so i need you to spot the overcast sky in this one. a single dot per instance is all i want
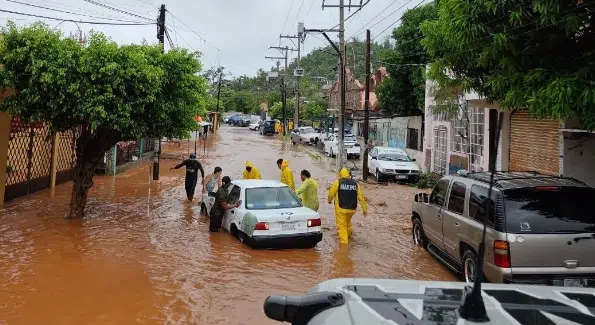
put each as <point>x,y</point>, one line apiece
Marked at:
<point>236,33</point>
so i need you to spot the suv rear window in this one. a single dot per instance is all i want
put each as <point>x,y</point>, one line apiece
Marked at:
<point>269,123</point>
<point>550,210</point>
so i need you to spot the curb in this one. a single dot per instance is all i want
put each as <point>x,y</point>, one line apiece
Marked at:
<point>311,153</point>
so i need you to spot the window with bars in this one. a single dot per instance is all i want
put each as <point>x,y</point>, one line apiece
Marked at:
<point>476,134</point>
<point>460,133</point>
<point>413,139</point>
<point>440,147</point>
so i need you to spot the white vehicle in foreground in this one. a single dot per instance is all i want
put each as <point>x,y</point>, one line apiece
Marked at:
<point>254,126</point>
<point>331,145</point>
<point>360,301</point>
<point>271,215</point>
<point>392,163</point>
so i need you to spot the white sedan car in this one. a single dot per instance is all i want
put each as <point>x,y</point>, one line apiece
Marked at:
<point>331,145</point>
<point>254,126</point>
<point>271,215</point>
<point>392,163</point>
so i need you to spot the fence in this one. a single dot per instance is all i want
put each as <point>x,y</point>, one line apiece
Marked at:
<point>124,152</point>
<point>36,159</point>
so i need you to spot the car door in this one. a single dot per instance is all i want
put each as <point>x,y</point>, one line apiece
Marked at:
<point>432,216</point>
<point>372,161</point>
<point>452,216</point>
<point>232,214</point>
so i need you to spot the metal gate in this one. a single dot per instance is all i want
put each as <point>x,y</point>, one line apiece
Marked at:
<point>29,159</point>
<point>440,148</point>
<point>66,156</point>
<point>397,137</point>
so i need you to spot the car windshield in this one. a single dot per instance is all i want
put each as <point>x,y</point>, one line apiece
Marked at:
<point>550,210</point>
<point>393,156</point>
<point>269,123</point>
<point>307,130</point>
<point>271,198</point>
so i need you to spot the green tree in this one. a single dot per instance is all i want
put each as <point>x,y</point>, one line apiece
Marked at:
<point>106,92</point>
<point>534,55</point>
<point>403,92</point>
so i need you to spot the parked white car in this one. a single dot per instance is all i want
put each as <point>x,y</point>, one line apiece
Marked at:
<point>392,163</point>
<point>331,145</point>
<point>271,215</point>
<point>303,135</point>
<point>254,126</point>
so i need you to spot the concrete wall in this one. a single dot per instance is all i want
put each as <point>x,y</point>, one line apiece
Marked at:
<point>579,156</point>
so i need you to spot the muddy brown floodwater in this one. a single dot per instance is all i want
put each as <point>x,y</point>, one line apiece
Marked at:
<point>143,255</point>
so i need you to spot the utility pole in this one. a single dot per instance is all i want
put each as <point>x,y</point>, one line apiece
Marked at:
<point>296,114</point>
<point>283,82</point>
<point>161,38</point>
<point>367,106</point>
<point>219,88</point>
<point>341,156</point>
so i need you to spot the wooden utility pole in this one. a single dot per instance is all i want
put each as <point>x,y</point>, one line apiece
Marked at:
<point>161,38</point>
<point>367,107</point>
<point>296,114</point>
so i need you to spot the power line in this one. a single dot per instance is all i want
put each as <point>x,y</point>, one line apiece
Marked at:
<point>309,8</point>
<point>353,14</point>
<point>193,31</point>
<point>371,20</point>
<point>76,21</point>
<point>298,14</point>
<point>287,17</point>
<point>389,15</point>
<point>391,25</point>
<point>66,12</point>
<point>117,10</point>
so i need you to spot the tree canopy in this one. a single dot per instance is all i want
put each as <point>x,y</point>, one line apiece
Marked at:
<point>533,55</point>
<point>403,92</point>
<point>105,91</point>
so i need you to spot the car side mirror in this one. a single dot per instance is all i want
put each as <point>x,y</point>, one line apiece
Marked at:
<point>373,157</point>
<point>413,159</point>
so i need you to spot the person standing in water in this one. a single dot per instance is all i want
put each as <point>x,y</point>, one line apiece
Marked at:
<point>221,205</point>
<point>192,167</point>
<point>308,191</point>
<point>251,172</point>
<point>213,180</point>
<point>286,173</point>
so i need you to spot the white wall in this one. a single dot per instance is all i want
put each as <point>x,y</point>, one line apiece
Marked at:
<point>579,156</point>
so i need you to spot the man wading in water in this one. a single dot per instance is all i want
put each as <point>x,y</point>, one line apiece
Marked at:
<point>221,205</point>
<point>192,168</point>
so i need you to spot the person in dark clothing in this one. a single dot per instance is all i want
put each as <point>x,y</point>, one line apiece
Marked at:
<point>192,167</point>
<point>221,205</point>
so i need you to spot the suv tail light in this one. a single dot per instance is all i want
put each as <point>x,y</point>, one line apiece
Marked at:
<point>314,223</point>
<point>261,226</point>
<point>501,253</point>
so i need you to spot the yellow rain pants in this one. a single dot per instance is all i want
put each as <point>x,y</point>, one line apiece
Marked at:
<point>343,216</point>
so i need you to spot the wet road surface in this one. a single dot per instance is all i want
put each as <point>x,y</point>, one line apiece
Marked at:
<point>143,255</point>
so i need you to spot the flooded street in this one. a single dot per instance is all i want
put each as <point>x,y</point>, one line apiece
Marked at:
<point>143,254</point>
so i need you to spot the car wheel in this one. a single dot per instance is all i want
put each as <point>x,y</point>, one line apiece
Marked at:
<point>378,176</point>
<point>241,236</point>
<point>469,266</point>
<point>419,237</point>
<point>203,210</point>
<point>293,142</point>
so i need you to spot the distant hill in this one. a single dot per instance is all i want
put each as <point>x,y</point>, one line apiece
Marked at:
<point>323,62</point>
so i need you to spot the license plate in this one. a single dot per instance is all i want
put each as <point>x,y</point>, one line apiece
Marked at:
<point>400,176</point>
<point>286,226</point>
<point>575,283</point>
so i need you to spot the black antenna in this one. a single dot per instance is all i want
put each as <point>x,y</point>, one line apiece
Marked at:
<point>472,306</point>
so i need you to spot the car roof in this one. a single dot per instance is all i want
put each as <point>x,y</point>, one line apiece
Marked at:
<point>257,183</point>
<point>511,180</point>
<point>390,149</point>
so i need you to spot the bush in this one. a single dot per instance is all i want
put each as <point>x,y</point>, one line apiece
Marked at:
<point>427,180</point>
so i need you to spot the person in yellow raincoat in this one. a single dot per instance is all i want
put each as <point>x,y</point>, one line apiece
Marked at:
<point>286,174</point>
<point>308,191</point>
<point>290,125</point>
<point>277,127</point>
<point>346,193</point>
<point>251,172</point>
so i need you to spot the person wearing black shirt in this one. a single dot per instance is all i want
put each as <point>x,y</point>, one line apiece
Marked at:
<point>221,205</point>
<point>192,167</point>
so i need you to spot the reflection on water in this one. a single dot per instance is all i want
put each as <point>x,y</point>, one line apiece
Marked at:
<point>144,255</point>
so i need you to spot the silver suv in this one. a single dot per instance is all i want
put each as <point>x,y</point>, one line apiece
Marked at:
<point>541,229</point>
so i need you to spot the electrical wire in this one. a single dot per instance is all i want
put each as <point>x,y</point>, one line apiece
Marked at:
<point>298,14</point>
<point>309,8</point>
<point>287,17</point>
<point>353,14</point>
<point>76,21</point>
<point>57,4</point>
<point>192,30</point>
<point>117,10</point>
<point>380,13</point>
<point>67,12</point>
<point>400,18</point>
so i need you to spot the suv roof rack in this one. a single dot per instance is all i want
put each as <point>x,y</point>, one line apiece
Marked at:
<point>514,179</point>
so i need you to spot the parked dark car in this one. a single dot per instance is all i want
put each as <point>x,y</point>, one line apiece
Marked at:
<point>267,127</point>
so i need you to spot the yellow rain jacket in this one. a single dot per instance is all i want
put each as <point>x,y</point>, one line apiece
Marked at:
<point>308,193</point>
<point>346,193</point>
<point>287,175</point>
<point>253,173</point>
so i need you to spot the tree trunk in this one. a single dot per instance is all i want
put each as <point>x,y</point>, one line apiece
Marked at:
<point>90,149</point>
